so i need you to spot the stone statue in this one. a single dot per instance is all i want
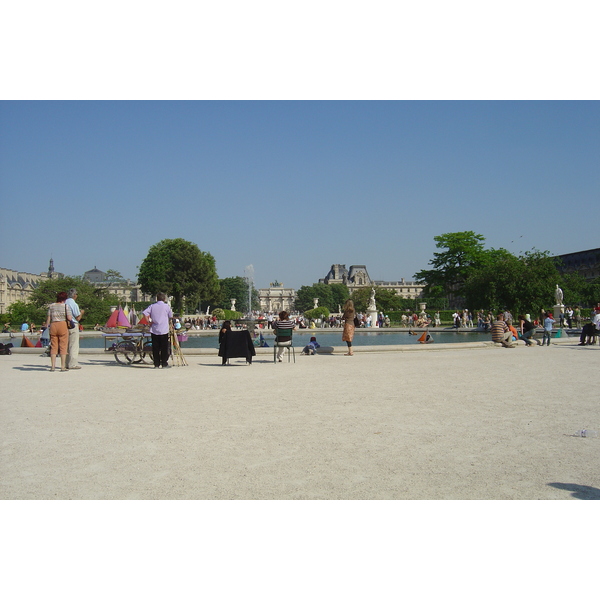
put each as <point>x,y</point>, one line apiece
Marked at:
<point>339,308</point>
<point>372,305</point>
<point>208,310</point>
<point>558,295</point>
<point>316,301</point>
<point>233,304</point>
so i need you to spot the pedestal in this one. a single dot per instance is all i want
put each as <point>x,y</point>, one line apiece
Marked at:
<point>373,315</point>
<point>558,309</point>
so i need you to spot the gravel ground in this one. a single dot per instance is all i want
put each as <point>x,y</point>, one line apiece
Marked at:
<point>443,423</point>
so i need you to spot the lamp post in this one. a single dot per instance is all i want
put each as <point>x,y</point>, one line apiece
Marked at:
<point>249,270</point>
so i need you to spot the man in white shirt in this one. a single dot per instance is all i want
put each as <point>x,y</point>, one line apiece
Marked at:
<point>591,330</point>
<point>73,348</point>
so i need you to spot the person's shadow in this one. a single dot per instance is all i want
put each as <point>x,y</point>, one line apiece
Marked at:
<point>581,492</point>
<point>35,368</point>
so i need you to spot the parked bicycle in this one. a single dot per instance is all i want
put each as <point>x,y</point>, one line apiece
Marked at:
<point>133,349</point>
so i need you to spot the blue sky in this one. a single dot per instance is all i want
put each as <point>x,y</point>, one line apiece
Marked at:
<point>292,187</point>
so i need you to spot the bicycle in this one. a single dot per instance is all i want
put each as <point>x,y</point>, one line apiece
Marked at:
<point>135,350</point>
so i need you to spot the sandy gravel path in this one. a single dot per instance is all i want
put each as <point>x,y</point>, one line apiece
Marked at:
<point>447,423</point>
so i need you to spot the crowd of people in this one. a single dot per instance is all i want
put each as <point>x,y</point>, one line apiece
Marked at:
<point>61,330</point>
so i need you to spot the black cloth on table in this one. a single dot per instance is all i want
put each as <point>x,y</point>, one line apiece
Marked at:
<point>237,344</point>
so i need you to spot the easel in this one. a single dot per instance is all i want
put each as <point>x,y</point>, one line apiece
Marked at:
<point>176,353</point>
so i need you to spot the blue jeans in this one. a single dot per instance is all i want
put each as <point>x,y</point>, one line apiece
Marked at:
<point>528,338</point>
<point>547,336</point>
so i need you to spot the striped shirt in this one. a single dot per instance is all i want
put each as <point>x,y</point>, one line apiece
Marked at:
<point>284,325</point>
<point>58,311</point>
<point>499,328</point>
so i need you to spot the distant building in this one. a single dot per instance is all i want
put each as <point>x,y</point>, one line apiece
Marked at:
<point>95,275</point>
<point>358,276</point>
<point>125,289</point>
<point>586,263</point>
<point>276,298</point>
<point>18,286</point>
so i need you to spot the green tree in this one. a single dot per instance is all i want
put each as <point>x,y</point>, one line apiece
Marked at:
<point>360,297</point>
<point>113,276</point>
<point>321,312</point>
<point>592,294</point>
<point>462,252</point>
<point>96,301</point>
<point>386,300</point>
<point>219,313</point>
<point>306,294</point>
<point>330,296</point>
<point>575,289</point>
<point>339,295</point>
<point>236,287</point>
<point>522,284</point>
<point>181,270</point>
<point>20,312</point>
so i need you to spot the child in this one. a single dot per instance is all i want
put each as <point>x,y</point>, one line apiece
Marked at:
<point>311,347</point>
<point>548,323</point>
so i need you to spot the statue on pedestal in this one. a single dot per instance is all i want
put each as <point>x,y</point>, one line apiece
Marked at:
<point>316,301</point>
<point>558,295</point>
<point>372,305</point>
<point>233,304</point>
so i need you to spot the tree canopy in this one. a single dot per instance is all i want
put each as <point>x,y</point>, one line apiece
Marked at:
<point>236,287</point>
<point>522,284</point>
<point>181,270</point>
<point>330,296</point>
<point>463,250</point>
<point>386,300</point>
<point>95,300</point>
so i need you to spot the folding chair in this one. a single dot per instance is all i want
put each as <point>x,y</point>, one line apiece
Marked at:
<point>289,345</point>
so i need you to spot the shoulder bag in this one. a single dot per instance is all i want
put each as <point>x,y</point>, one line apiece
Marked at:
<point>70,324</point>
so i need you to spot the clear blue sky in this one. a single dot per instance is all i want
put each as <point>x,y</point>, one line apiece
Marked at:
<point>293,187</point>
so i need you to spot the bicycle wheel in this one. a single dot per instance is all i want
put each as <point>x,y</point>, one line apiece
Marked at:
<point>147,357</point>
<point>125,352</point>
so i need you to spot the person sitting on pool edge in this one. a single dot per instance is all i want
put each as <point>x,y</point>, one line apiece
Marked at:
<point>501,334</point>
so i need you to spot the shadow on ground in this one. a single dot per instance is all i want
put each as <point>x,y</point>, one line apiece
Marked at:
<point>581,492</point>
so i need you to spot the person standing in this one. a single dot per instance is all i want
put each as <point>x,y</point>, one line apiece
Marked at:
<point>160,314</point>
<point>577,316</point>
<point>548,324</point>
<point>73,350</point>
<point>456,319</point>
<point>59,314</point>
<point>348,316</point>
<point>569,317</point>
<point>225,329</point>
